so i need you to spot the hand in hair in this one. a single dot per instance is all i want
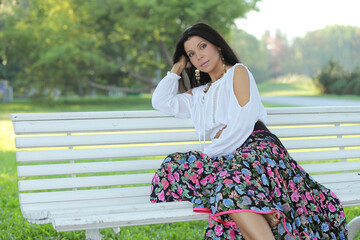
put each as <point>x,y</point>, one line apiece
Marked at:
<point>179,66</point>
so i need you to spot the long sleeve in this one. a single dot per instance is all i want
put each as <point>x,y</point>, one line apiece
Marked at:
<point>166,99</point>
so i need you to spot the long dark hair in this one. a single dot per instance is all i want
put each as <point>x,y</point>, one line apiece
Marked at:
<point>210,34</point>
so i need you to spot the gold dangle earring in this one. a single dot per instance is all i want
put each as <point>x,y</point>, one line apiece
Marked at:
<point>197,76</point>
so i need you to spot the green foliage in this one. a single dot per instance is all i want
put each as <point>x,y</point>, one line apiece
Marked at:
<point>334,79</point>
<point>312,52</point>
<point>252,52</point>
<point>58,46</point>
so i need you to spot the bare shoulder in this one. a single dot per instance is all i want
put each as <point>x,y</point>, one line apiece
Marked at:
<point>241,85</point>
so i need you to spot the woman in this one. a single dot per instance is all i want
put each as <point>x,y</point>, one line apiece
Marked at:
<point>245,179</point>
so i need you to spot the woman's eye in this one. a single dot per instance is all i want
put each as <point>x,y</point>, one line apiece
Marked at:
<point>202,46</point>
<point>191,54</point>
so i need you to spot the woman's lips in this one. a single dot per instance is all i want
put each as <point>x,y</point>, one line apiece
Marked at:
<point>204,64</point>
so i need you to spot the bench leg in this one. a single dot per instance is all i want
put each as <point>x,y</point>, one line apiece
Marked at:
<point>93,234</point>
<point>353,226</point>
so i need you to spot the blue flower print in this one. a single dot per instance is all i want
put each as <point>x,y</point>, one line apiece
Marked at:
<point>181,161</point>
<point>191,159</point>
<point>278,206</point>
<point>245,171</point>
<point>212,199</point>
<point>297,221</point>
<point>298,178</point>
<point>282,164</point>
<point>245,163</point>
<point>218,188</point>
<point>259,169</point>
<point>325,227</point>
<point>264,180</point>
<point>281,229</point>
<point>167,160</point>
<point>239,190</point>
<point>228,202</point>
<point>213,209</point>
<point>342,235</point>
<point>198,201</point>
<point>316,217</point>
<point>271,162</point>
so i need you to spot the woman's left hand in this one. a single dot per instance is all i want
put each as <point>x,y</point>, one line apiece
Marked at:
<point>219,132</point>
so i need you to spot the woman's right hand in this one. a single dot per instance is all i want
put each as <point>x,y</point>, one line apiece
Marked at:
<point>179,66</point>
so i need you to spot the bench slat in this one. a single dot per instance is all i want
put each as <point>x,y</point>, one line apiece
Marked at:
<point>92,167</point>
<point>82,195</point>
<point>82,182</point>
<point>125,152</point>
<point>321,143</point>
<point>74,126</point>
<point>103,125</point>
<point>151,137</point>
<point>138,165</point>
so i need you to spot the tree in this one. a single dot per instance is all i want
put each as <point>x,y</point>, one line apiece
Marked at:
<point>69,44</point>
<point>252,52</point>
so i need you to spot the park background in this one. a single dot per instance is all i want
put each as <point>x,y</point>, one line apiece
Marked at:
<point>108,55</point>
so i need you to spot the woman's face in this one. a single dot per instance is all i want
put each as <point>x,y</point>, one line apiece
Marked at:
<point>203,54</point>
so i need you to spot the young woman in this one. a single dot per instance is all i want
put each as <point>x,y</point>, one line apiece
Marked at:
<point>245,179</point>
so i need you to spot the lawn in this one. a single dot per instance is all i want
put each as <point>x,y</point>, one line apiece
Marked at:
<point>14,226</point>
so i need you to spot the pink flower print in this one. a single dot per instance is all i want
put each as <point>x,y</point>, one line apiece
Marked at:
<point>161,196</point>
<point>236,179</point>
<point>169,168</point>
<point>212,179</point>
<point>277,191</point>
<point>322,197</point>
<point>342,214</point>
<point>218,230</point>
<point>200,171</point>
<point>295,196</point>
<point>199,164</point>
<point>207,233</point>
<point>331,207</point>
<point>174,195</point>
<point>179,190</point>
<point>228,181</point>
<point>202,155</point>
<point>299,211</point>
<point>262,145</point>
<point>176,176</point>
<point>270,172</point>
<point>245,155</point>
<point>171,178</point>
<point>291,184</point>
<point>152,188</point>
<point>203,181</point>
<point>215,164</point>
<point>274,151</point>
<point>223,173</point>
<point>232,234</point>
<point>185,166</point>
<point>165,183</point>
<point>333,194</point>
<point>156,179</point>
<point>303,198</point>
<point>308,196</point>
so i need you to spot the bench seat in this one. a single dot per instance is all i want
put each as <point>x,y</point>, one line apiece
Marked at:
<point>92,170</point>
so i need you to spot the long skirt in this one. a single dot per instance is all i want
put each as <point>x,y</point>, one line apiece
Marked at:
<point>260,177</point>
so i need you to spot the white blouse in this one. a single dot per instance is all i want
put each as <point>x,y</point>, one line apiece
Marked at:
<point>213,110</point>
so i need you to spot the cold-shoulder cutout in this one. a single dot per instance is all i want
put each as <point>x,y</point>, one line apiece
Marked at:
<point>241,85</point>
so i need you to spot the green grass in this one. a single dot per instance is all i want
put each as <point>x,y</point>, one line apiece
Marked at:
<point>12,223</point>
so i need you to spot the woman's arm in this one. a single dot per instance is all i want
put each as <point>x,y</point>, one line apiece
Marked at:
<point>166,98</point>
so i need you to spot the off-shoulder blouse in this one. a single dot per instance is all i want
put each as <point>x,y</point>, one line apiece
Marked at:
<point>213,110</point>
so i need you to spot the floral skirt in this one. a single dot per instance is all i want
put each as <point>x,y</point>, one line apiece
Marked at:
<point>260,177</point>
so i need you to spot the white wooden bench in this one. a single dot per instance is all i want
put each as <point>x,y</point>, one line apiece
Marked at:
<point>92,170</point>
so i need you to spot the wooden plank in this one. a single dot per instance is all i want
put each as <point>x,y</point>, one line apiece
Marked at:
<point>159,137</point>
<point>147,151</point>
<point>83,195</point>
<point>150,164</point>
<point>100,125</point>
<point>102,153</point>
<point>91,167</point>
<point>321,143</point>
<point>325,155</point>
<point>83,182</point>
<point>104,139</point>
<point>153,113</point>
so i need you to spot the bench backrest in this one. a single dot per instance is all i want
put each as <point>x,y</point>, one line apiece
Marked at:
<point>111,156</point>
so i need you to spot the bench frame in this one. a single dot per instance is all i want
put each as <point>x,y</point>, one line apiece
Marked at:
<point>73,173</point>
